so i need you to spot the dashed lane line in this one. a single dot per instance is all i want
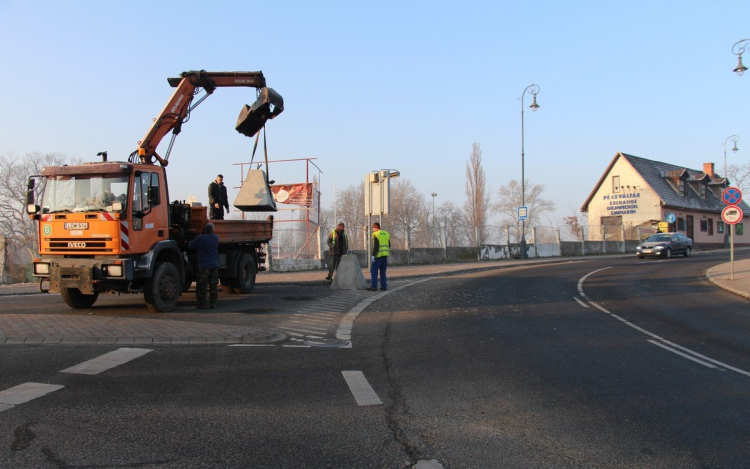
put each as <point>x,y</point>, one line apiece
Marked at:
<point>660,341</point>
<point>361,389</point>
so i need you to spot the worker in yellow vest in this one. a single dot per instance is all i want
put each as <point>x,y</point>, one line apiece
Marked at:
<point>338,245</point>
<point>381,249</point>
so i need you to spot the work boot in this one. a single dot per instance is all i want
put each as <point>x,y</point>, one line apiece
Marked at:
<point>201,306</point>
<point>213,305</point>
<point>371,289</point>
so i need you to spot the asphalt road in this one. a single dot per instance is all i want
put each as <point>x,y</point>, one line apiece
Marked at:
<point>607,363</point>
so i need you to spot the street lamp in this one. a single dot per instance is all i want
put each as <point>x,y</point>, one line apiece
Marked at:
<point>432,236</point>
<point>533,90</point>
<point>738,49</point>
<point>734,139</point>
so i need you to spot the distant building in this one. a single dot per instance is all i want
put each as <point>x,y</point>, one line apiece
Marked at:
<point>640,193</point>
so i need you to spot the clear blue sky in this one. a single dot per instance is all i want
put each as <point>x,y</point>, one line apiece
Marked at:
<point>370,85</point>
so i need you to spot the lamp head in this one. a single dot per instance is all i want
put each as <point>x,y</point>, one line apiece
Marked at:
<point>534,106</point>
<point>735,147</point>
<point>740,69</point>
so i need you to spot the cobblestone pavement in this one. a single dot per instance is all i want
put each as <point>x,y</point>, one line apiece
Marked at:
<point>188,327</point>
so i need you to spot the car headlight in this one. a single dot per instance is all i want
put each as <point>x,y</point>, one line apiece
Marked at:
<point>658,248</point>
<point>639,248</point>
<point>41,268</point>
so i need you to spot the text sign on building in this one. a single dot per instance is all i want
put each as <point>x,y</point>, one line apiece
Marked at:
<point>731,214</point>
<point>731,196</point>
<point>523,213</point>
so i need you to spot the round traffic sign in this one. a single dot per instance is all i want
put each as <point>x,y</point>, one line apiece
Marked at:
<point>671,217</point>
<point>731,196</point>
<point>731,214</point>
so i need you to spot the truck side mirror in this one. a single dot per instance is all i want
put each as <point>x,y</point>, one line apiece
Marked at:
<point>32,209</point>
<point>117,206</point>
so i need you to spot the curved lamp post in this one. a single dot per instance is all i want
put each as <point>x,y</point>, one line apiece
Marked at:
<point>734,139</point>
<point>533,90</point>
<point>738,49</point>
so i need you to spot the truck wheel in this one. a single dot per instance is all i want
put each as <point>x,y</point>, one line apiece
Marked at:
<point>244,282</point>
<point>75,299</point>
<point>163,289</point>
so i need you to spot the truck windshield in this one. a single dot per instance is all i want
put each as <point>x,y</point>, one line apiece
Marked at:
<point>84,193</point>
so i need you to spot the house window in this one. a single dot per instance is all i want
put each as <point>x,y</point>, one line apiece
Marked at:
<point>710,227</point>
<point>680,224</point>
<point>683,187</point>
<point>720,227</point>
<point>738,230</point>
<point>703,191</point>
<point>615,183</point>
<point>704,225</point>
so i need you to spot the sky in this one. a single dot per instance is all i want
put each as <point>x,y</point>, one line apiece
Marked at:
<point>407,85</point>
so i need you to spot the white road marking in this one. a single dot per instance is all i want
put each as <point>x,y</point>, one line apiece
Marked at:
<point>252,345</point>
<point>682,354</point>
<point>580,302</point>
<point>580,282</point>
<point>361,389</point>
<point>24,393</point>
<point>344,331</point>
<point>660,341</point>
<point>431,464</point>
<point>106,361</point>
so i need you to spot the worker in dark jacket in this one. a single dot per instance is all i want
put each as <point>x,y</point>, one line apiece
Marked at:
<point>217,198</point>
<point>338,245</point>
<point>207,245</point>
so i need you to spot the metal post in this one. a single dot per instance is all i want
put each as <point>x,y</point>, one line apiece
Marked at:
<point>533,89</point>
<point>432,235</point>
<point>731,255</point>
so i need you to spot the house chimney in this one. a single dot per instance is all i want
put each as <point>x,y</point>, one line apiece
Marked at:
<point>708,168</point>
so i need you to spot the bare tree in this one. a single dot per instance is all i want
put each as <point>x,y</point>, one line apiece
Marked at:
<point>510,199</point>
<point>14,222</point>
<point>454,219</point>
<point>477,195</point>
<point>408,208</point>
<point>350,209</point>
<point>575,223</point>
<point>739,176</point>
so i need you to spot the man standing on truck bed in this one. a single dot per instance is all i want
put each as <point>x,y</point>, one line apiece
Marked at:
<point>217,198</point>
<point>207,245</point>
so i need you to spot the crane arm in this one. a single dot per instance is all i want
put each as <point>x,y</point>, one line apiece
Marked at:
<point>252,118</point>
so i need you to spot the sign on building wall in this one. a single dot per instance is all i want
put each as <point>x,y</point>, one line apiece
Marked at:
<point>622,204</point>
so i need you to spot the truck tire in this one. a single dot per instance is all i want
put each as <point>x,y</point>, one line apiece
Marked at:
<point>162,290</point>
<point>244,282</point>
<point>77,300</point>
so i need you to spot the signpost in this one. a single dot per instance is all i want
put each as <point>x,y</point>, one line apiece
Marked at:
<point>731,215</point>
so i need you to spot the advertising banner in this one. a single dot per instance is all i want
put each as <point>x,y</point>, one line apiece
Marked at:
<point>293,194</point>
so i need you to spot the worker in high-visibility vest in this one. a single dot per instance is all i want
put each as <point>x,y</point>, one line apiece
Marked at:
<point>381,249</point>
<point>338,245</point>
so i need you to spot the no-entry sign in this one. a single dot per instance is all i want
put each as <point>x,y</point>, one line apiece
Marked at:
<point>731,214</point>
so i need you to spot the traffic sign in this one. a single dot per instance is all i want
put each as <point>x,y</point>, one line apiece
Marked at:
<point>731,196</point>
<point>670,217</point>
<point>731,214</point>
<point>523,213</point>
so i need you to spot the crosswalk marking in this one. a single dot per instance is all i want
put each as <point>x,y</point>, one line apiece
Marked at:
<point>24,393</point>
<point>106,361</point>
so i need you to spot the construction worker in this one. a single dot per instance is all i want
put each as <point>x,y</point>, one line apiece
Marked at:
<point>381,249</point>
<point>338,245</point>
<point>217,198</point>
<point>207,246</point>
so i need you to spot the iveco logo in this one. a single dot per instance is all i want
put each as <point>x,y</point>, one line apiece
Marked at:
<point>77,244</point>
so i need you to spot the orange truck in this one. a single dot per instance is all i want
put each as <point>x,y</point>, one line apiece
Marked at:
<point>108,226</point>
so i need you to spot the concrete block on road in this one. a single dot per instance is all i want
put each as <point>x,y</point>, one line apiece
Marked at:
<point>349,275</point>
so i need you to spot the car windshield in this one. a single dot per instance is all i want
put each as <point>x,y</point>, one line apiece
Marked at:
<point>659,238</point>
<point>84,193</point>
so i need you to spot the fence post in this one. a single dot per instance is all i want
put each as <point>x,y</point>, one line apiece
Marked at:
<point>536,246</point>
<point>583,240</point>
<point>3,259</point>
<point>638,231</point>
<point>443,230</point>
<point>320,243</point>
<point>604,238</point>
<point>622,226</point>
<point>407,243</point>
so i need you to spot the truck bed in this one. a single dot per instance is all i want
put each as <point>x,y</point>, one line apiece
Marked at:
<point>243,231</point>
<point>234,231</point>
